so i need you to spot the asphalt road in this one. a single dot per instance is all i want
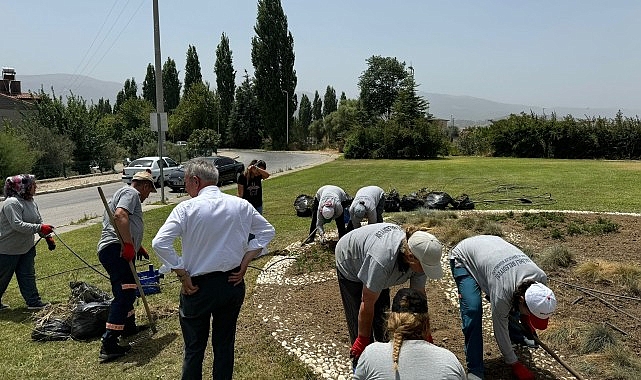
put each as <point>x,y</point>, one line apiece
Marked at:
<point>71,209</point>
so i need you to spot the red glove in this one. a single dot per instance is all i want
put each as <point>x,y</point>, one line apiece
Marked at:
<point>359,346</point>
<point>142,253</point>
<point>128,252</point>
<point>521,372</point>
<point>46,229</point>
<point>430,339</point>
<point>50,243</point>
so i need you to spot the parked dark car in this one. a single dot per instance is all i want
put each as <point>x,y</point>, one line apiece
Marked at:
<point>228,171</point>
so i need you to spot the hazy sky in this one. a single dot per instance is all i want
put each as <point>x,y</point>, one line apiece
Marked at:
<point>579,53</point>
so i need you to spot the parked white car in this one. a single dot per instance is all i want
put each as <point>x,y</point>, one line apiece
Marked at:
<point>153,164</point>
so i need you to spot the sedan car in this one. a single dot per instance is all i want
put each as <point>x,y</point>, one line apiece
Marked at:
<point>228,171</point>
<point>153,165</point>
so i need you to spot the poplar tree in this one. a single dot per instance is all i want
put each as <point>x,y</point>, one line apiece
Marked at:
<point>149,85</point>
<point>192,69</point>
<point>317,107</point>
<point>305,112</point>
<point>225,84</point>
<point>273,60</point>
<point>170,85</point>
<point>330,104</point>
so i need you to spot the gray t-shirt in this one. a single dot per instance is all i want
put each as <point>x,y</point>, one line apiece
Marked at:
<point>369,255</point>
<point>127,198</point>
<point>498,267</point>
<point>19,221</point>
<point>329,193</point>
<point>417,359</point>
<point>370,196</point>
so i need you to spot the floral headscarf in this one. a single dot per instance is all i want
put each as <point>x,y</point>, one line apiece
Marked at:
<point>19,185</point>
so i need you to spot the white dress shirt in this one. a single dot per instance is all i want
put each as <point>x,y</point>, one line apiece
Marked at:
<point>214,228</point>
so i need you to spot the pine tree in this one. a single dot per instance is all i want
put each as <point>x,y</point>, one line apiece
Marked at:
<point>225,83</point>
<point>273,60</point>
<point>192,69</point>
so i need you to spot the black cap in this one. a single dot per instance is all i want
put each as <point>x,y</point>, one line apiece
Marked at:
<point>408,300</point>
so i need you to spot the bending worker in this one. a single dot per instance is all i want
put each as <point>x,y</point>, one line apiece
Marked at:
<point>369,202</point>
<point>329,204</point>
<point>370,260</point>
<point>516,290</point>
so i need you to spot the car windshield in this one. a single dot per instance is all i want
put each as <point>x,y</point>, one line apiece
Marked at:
<point>143,163</point>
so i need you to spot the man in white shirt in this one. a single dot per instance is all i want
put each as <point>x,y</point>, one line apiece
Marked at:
<point>215,254</point>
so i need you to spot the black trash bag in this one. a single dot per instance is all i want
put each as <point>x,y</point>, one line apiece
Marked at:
<point>303,205</point>
<point>463,202</point>
<point>437,200</point>
<point>88,320</point>
<point>392,201</point>
<point>83,292</point>
<point>411,202</point>
<point>50,329</point>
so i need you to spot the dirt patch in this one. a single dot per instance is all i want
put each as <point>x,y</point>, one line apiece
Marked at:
<point>307,308</point>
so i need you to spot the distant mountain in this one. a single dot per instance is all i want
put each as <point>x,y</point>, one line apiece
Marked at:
<point>468,110</point>
<point>64,85</point>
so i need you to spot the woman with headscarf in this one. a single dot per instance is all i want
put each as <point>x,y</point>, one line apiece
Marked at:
<point>409,354</point>
<point>250,185</point>
<point>19,221</point>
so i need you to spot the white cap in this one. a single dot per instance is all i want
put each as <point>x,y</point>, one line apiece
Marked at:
<point>428,251</point>
<point>541,302</point>
<point>327,211</point>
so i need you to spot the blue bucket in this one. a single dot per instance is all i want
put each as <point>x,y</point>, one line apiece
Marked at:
<point>150,281</point>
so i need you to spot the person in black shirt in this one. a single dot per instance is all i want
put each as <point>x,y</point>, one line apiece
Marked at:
<point>250,185</point>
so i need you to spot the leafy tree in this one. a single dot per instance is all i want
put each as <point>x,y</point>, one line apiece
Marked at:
<point>245,128</point>
<point>343,97</point>
<point>225,83</point>
<point>330,104</point>
<point>380,84</point>
<point>273,60</point>
<point>103,107</point>
<point>408,106</point>
<point>129,91</point>
<point>129,127</point>
<point>149,85</point>
<point>197,110</point>
<point>192,69</point>
<point>170,85</point>
<point>203,142</point>
<point>317,107</point>
<point>340,122</point>
<point>16,154</point>
<point>305,112</point>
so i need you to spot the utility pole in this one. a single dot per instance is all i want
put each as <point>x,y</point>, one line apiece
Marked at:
<point>287,114</point>
<point>160,105</point>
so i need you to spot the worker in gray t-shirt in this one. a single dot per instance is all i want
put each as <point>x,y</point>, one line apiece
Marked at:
<point>369,202</point>
<point>371,259</point>
<point>329,204</point>
<point>516,291</point>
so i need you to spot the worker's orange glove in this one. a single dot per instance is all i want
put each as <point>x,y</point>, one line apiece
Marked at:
<point>128,252</point>
<point>359,346</point>
<point>521,372</point>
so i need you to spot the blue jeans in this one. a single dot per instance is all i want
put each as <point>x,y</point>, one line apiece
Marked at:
<point>123,287</point>
<point>471,317</point>
<point>218,302</point>
<point>24,268</point>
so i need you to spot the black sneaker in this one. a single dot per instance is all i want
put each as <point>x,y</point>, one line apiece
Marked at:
<point>110,352</point>
<point>39,306</point>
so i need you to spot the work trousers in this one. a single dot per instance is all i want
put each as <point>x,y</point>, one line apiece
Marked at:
<point>471,306</point>
<point>218,302</point>
<point>351,295</point>
<point>123,287</point>
<point>24,268</point>
<point>340,221</point>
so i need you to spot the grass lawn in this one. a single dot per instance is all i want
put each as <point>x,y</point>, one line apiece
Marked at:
<point>492,182</point>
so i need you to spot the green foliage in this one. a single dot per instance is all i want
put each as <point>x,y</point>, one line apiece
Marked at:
<point>129,91</point>
<point>330,104</point>
<point>197,110</point>
<point>203,142</point>
<point>245,128</point>
<point>192,69</point>
<point>305,112</point>
<point>597,339</point>
<point>273,60</point>
<point>317,107</point>
<point>15,155</point>
<point>129,127</point>
<point>170,85</point>
<point>556,257</point>
<point>380,84</point>
<point>225,84</point>
<point>408,106</point>
<point>149,85</point>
